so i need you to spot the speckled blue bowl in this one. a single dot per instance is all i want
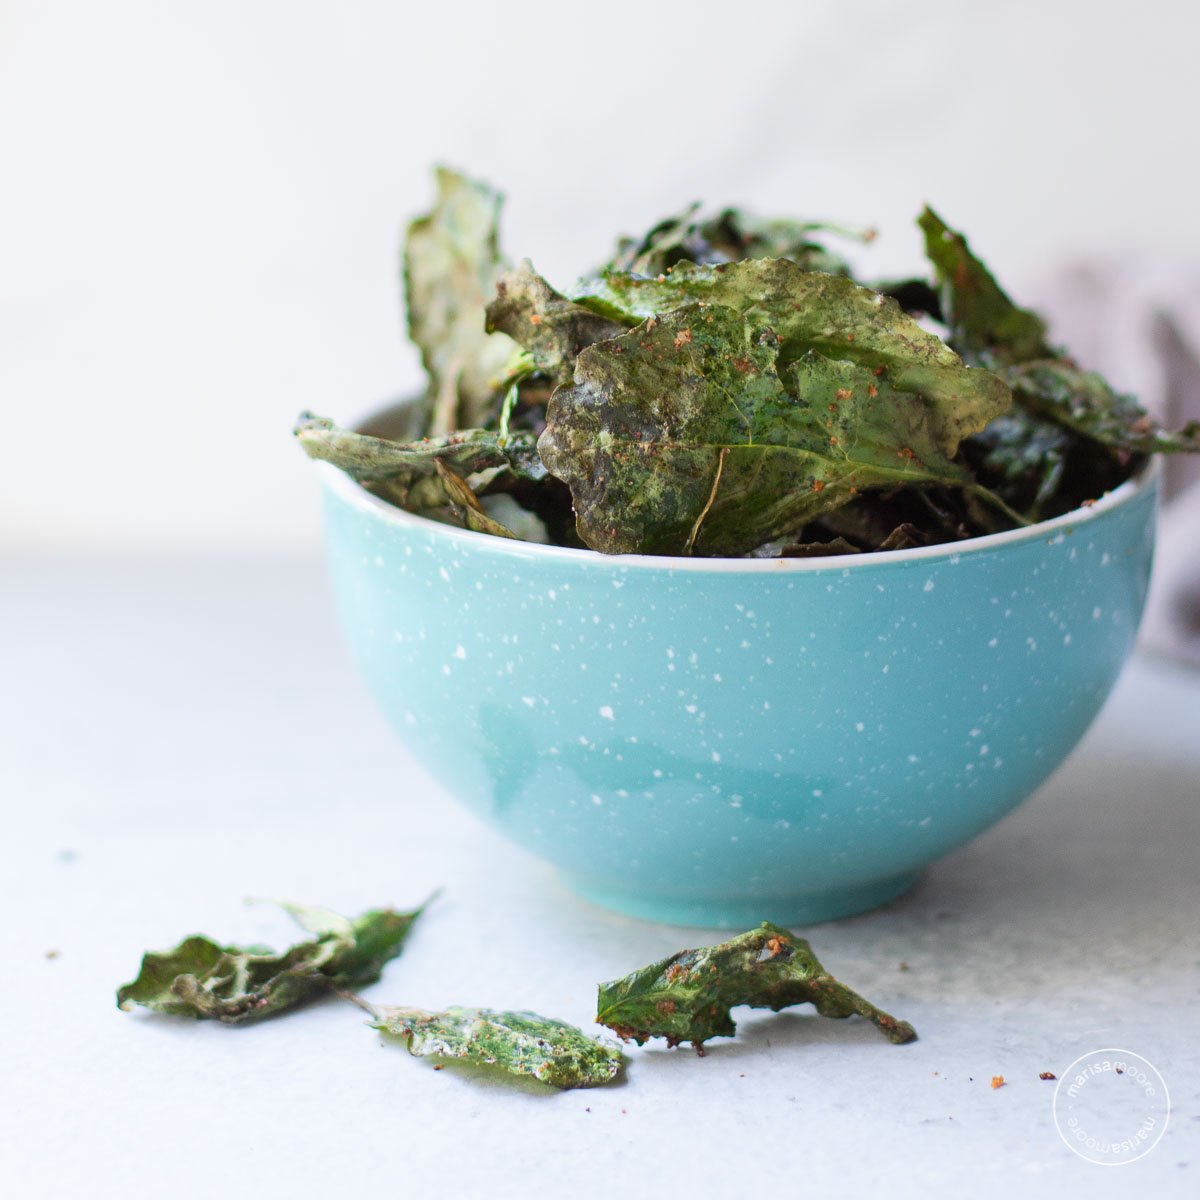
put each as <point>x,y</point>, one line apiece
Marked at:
<point>719,742</point>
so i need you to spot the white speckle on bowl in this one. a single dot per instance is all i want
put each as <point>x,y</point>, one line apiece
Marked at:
<point>716,757</point>
<point>460,652</point>
<point>859,726</point>
<point>444,574</point>
<point>606,712</point>
<point>929,586</point>
<point>818,793</point>
<point>1097,613</point>
<point>596,799</point>
<point>528,701</point>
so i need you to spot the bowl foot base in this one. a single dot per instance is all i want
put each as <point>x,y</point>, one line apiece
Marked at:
<point>803,908</point>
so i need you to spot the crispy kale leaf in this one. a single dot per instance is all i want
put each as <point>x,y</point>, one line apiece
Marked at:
<point>775,395</point>
<point>233,984</point>
<point>521,1043</point>
<point>451,264</point>
<point>1082,401</point>
<point>374,459</point>
<point>550,328</point>
<point>729,236</point>
<point>808,310</point>
<point>414,474</point>
<point>986,326</point>
<point>683,435</point>
<point>687,997</point>
<point>432,476</point>
<point>980,316</point>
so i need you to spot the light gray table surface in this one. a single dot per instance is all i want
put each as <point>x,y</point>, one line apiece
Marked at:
<point>177,734</point>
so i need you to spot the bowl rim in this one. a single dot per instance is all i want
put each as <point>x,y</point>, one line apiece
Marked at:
<point>357,496</point>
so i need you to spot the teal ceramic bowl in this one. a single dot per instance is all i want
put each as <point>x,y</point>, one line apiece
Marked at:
<point>720,742</point>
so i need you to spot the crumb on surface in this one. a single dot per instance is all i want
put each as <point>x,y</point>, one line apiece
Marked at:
<point>1047,1075</point>
<point>997,1081</point>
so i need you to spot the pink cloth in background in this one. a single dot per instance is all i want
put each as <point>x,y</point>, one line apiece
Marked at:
<point>1140,327</point>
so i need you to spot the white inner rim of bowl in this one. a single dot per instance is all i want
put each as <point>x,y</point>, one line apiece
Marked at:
<point>352,492</point>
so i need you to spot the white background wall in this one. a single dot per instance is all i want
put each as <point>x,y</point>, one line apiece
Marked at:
<point>200,204</point>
